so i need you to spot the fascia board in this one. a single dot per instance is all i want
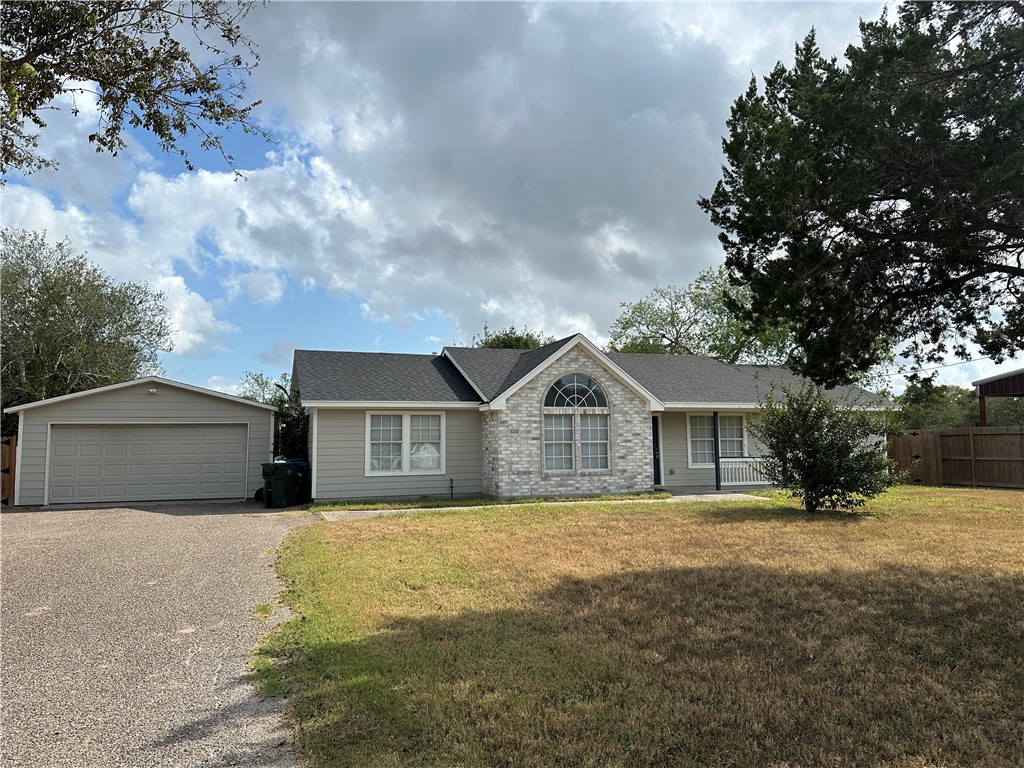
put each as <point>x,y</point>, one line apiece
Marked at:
<point>997,377</point>
<point>697,406</point>
<point>144,380</point>
<point>390,405</point>
<point>745,407</point>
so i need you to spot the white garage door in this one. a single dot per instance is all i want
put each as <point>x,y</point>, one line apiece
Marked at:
<point>146,462</point>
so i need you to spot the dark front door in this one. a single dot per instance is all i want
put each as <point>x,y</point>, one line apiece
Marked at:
<point>657,449</point>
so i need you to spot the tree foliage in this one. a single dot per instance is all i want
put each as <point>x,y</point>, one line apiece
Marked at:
<point>882,200</point>
<point>67,326</point>
<point>823,451</point>
<point>261,388</point>
<point>926,405</point>
<point>140,59</point>
<point>292,425</point>
<point>512,338</point>
<point>696,320</point>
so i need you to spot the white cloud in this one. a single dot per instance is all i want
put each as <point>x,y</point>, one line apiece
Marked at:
<point>196,329</point>
<point>279,353</point>
<point>223,384</point>
<point>260,287</point>
<point>125,252</point>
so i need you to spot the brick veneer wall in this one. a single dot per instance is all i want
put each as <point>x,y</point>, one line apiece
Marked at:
<point>513,440</point>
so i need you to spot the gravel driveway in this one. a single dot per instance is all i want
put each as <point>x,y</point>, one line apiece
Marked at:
<point>126,633</point>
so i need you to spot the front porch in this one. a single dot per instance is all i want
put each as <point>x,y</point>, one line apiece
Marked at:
<point>748,471</point>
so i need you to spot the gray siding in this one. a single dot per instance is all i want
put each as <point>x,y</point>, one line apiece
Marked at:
<point>341,459</point>
<point>135,405</point>
<point>677,474</point>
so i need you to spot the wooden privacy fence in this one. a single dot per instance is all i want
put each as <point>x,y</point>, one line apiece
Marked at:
<point>8,456</point>
<point>975,456</point>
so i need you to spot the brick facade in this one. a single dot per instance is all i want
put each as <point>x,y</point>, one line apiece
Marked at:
<point>513,439</point>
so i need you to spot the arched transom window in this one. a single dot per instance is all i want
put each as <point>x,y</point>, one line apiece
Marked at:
<point>575,391</point>
<point>582,431</point>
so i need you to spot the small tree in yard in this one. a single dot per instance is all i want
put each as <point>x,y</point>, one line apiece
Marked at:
<point>823,451</point>
<point>292,420</point>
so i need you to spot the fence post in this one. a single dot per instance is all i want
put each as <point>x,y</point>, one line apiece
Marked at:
<point>974,475</point>
<point>8,459</point>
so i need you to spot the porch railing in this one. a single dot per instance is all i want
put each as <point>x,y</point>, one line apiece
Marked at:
<point>745,471</point>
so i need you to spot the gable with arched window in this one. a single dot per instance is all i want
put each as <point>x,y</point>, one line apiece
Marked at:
<point>576,426</point>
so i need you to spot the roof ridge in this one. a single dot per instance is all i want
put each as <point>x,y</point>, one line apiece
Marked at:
<point>361,352</point>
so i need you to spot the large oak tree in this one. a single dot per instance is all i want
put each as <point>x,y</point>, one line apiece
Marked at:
<point>696,320</point>
<point>881,200</point>
<point>170,67</point>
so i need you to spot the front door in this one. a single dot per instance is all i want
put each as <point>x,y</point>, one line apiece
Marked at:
<point>657,449</point>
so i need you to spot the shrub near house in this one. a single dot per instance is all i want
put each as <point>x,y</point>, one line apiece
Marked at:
<point>825,452</point>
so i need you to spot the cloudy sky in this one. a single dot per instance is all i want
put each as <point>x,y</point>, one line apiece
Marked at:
<point>436,167</point>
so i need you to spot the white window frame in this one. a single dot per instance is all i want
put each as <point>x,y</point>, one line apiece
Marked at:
<point>573,458</point>
<point>577,440</point>
<point>689,438</point>
<point>576,413</point>
<point>607,443</point>
<point>406,445</point>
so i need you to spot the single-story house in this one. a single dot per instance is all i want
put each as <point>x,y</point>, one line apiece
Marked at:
<point>564,419</point>
<point>150,439</point>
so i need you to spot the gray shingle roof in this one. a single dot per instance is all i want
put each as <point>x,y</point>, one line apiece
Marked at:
<point>695,379</point>
<point>764,377</point>
<point>379,376</point>
<point>495,370</point>
<point>681,378</point>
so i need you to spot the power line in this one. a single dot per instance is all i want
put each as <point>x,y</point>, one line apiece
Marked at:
<point>933,368</point>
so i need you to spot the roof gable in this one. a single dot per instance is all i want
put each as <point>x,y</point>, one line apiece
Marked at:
<point>145,380</point>
<point>535,361</point>
<point>493,371</point>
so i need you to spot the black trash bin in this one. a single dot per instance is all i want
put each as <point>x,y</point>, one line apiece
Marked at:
<point>285,484</point>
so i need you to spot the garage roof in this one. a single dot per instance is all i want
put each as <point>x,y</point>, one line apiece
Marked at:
<point>145,380</point>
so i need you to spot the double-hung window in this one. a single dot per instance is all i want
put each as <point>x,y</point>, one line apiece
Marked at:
<point>576,434</point>
<point>731,438</point>
<point>558,442</point>
<point>404,443</point>
<point>593,441</point>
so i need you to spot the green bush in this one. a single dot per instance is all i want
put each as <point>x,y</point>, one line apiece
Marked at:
<point>826,452</point>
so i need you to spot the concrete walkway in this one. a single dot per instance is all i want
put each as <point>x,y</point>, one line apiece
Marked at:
<point>365,514</point>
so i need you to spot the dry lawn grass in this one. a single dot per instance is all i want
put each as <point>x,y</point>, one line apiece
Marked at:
<point>661,635</point>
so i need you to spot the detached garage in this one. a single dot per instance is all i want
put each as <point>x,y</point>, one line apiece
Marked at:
<point>151,439</point>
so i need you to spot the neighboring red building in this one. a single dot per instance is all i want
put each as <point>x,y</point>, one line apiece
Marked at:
<point>1009,384</point>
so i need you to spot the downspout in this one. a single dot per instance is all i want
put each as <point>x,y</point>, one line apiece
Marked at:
<point>718,454</point>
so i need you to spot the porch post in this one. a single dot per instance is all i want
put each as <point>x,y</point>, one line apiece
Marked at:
<point>981,411</point>
<point>718,455</point>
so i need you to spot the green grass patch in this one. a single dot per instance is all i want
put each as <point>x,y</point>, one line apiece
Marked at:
<point>440,503</point>
<point>262,611</point>
<point>659,635</point>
